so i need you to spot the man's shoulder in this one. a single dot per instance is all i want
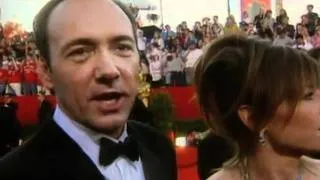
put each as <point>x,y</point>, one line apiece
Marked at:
<point>17,162</point>
<point>143,129</point>
<point>149,136</point>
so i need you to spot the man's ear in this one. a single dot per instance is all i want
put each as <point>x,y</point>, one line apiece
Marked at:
<point>44,74</point>
<point>244,113</point>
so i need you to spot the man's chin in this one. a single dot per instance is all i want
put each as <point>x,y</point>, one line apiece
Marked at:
<point>109,125</point>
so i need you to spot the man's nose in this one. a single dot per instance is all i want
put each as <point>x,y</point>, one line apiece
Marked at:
<point>106,67</point>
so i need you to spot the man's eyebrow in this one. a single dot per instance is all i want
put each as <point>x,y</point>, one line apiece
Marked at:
<point>122,38</point>
<point>79,41</point>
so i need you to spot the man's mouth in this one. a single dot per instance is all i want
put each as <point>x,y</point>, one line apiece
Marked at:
<point>109,102</point>
<point>108,96</point>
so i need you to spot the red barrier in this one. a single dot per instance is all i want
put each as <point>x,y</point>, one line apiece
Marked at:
<point>185,106</point>
<point>28,107</point>
<point>187,163</point>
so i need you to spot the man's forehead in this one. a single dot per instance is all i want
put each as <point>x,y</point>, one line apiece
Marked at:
<point>72,16</point>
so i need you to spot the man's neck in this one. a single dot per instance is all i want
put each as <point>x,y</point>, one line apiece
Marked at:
<point>267,164</point>
<point>115,132</point>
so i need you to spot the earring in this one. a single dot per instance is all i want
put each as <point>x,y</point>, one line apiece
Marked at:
<point>262,139</point>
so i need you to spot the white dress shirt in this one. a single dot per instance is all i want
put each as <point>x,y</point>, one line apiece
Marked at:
<point>88,140</point>
<point>193,57</point>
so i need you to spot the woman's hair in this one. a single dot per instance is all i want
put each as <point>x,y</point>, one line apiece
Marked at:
<point>315,53</point>
<point>236,71</point>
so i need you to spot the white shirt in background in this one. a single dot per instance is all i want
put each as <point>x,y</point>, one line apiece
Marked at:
<point>156,64</point>
<point>193,57</point>
<point>306,46</point>
<point>286,41</point>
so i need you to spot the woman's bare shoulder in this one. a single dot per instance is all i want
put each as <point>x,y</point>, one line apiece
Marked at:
<point>226,174</point>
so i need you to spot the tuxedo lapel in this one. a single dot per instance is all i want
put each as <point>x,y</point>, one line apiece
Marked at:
<point>65,156</point>
<point>152,164</point>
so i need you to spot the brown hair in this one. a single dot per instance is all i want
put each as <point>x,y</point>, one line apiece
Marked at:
<point>237,71</point>
<point>40,26</point>
<point>315,53</point>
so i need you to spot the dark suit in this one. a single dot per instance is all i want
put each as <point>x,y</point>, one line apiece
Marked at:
<point>9,127</point>
<point>45,112</point>
<point>140,113</point>
<point>52,155</point>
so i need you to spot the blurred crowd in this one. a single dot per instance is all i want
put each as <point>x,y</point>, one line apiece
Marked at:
<point>19,58</point>
<point>167,58</point>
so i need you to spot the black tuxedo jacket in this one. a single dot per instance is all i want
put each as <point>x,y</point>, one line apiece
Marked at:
<point>52,155</point>
<point>9,126</point>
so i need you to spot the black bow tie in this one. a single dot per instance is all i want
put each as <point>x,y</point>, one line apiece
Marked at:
<point>109,150</point>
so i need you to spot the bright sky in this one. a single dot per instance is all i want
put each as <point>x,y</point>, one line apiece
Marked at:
<point>174,11</point>
<point>22,11</point>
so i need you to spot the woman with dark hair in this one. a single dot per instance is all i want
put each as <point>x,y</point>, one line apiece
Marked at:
<point>265,100</point>
<point>282,14</point>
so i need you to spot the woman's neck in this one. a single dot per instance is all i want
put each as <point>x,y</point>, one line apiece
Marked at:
<point>271,165</point>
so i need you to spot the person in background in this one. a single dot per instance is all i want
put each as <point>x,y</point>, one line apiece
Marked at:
<point>300,43</point>
<point>287,27</point>
<point>90,49</point>
<point>156,65</point>
<point>157,39</point>
<point>305,21</point>
<point>10,130</point>
<point>190,58</point>
<point>282,39</point>
<point>282,14</point>
<point>231,26</point>
<point>311,16</point>
<point>245,18</point>
<point>3,79</point>
<point>142,41</point>
<point>197,31</point>
<point>217,28</point>
<point>315,40</point>
<point>45,111</point>
<point>268,21</point>
<point>166,34</point>
<point>15,77</point>
<point>272,112</point>
<point>29,76</point>
<point>175,67</point>
<point>40,63</point>
<point>258,19</point>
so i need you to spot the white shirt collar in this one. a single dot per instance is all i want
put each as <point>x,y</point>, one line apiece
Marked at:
<point>87,139</point>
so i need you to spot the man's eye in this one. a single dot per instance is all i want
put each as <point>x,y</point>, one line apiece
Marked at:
<point>125,50</point>
<point>80,54</point>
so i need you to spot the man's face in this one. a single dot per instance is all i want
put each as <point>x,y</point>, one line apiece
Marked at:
<point>215,19</point>
<point>94,63</point>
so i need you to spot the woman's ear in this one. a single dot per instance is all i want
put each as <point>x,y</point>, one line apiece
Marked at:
<point>244,113</point>
<point>44,74</point>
